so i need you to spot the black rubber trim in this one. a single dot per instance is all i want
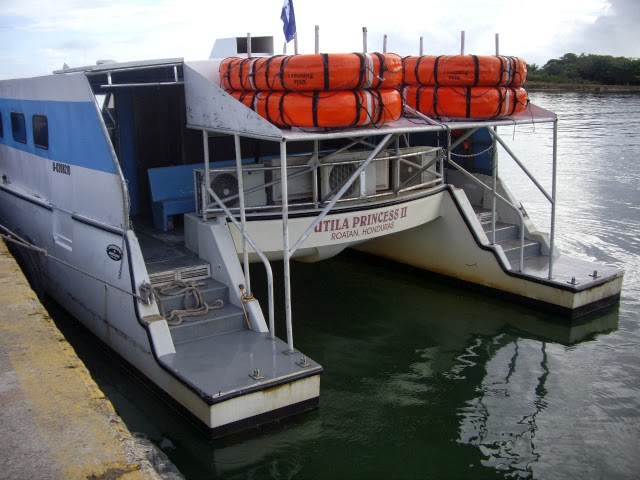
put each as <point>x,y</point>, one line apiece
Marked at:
<point>30,199</point>
<point>95,224</point>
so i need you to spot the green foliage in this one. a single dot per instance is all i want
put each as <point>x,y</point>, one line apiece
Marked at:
<point>591,69</point>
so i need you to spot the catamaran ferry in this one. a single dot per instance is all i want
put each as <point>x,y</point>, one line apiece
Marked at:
<point>139,193</point>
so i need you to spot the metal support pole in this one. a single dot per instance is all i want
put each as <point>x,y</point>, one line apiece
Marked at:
<point>494,185</point>
<point>249,45</point>
<point>243,220</point>
<point>285,242</point>
<point>497,44</point>
<point>462,42</point>
<point>421,46</point>
<point>553,196</point>
<point>314,174</point>
<point>384,43</point>
<point>364,39</point>
<point>295,43</point>
<point>317,39</point>
<point>207,176</point>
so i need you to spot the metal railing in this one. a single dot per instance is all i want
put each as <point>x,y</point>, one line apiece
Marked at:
<point>495,195</point>
<point>322,202</point>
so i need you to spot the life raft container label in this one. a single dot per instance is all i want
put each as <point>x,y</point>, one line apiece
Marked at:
<point>361,225</point>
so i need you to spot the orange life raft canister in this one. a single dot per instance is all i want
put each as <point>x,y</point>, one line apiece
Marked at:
<point>303,73</point>
<point>324,109</point>
<point>466,102</point>
<point>465,70</point>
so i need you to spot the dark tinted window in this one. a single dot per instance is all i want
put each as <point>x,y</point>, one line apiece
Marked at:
<point>18,127</point>
<point>41,131</point>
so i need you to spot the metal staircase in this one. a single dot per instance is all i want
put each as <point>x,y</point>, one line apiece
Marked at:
<point>508,237</point>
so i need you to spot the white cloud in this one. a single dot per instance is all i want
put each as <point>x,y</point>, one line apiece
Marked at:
<point>125,30</point>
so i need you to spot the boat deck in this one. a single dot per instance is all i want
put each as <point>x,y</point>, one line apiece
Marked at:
<point>164,252</point>
<point>238,355</point>
<point>568,270</point>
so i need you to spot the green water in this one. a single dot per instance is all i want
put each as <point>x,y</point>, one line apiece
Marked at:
<point>423,379</point>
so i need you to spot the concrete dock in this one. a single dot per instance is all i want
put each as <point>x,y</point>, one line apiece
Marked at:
<point>55,423</point>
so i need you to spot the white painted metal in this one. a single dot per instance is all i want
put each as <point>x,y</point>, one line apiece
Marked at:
<point>243,216</point>
<point>285,243</point>
<point>364,39</point>
<point>552,230</point>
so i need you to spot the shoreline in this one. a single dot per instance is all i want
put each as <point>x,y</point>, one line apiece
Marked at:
<point>551,87</point>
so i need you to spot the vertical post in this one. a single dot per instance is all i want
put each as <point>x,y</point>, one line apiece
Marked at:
<point>364,39</point>
<point>462,42</point>
<point>249,45</point>
<point>284,48</point>
<point>421,46</point>
<point>315,173</point>
<point>384,43</point>
<point>553,197</point>
<point>243,224</point>
<point>317,39</point>
<point>497,44</point>
<point>494,188</point>
<point>207,177</point>
<point>295,43</point>
<point>285,242</point>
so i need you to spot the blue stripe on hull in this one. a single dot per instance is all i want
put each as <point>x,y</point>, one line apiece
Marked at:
<point>76,134</point>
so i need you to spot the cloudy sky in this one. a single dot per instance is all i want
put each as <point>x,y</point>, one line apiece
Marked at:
<point>39,36</point>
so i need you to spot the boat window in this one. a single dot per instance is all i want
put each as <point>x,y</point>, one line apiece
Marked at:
<point>18,127</point>
<point>41,131</point>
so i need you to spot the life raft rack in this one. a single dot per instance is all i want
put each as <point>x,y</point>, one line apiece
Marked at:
<point>314,72</point>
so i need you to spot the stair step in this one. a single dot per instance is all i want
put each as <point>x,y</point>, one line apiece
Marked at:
<point>511,248</point>
<point>230,318</point>
<point>211,291</point>
<point>504,231</point>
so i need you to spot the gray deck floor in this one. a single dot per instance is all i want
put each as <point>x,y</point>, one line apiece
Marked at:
<point>221,365</point>
<point>565,267</point>
<point>164,252</point>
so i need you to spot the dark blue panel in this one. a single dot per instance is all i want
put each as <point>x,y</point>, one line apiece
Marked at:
<point>127,146</point>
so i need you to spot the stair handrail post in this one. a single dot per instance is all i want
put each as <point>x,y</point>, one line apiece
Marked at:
<point>502,199</point>
<point>494,174</point>
<point>207,176</point>
<point>243,217</point>
<point>286,255</point>
<point>267,265</point>
<point>552,230</point>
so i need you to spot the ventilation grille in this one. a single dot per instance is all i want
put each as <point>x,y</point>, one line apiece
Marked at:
<point>185,274</point>
<point>339,174</point>
<point>484,217</point>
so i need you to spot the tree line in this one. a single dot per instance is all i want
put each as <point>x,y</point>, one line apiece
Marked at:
<point>587,69</point>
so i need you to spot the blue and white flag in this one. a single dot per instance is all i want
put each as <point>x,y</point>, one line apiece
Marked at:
<point>289,20</point>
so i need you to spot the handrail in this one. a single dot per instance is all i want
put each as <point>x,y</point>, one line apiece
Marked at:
<point>501,198</point>
<point>311,168</point>
<point>266,263</point>
<point>520,164</point>
<point>551,198</point>
<point>207,187</point>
